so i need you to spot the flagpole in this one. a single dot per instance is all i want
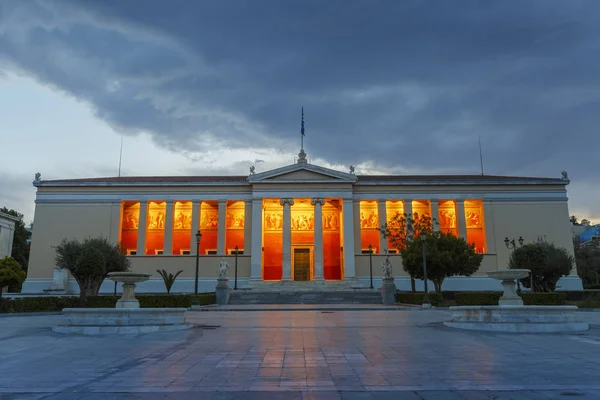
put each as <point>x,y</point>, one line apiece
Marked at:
<point>302,131</point>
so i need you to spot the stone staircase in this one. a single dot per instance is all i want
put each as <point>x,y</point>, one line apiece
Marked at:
<point>325,292</point>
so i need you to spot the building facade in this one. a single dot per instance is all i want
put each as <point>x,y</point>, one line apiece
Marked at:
<point>7,234</point>
<point>301,222</point>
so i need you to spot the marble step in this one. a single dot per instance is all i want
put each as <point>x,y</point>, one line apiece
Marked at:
<point>302,297</point>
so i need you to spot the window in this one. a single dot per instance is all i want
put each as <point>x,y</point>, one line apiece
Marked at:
<point>232,251</point>
<point>155,223</point>
<point>367,251</point>
<point>234,224</point>
<point>369,222</point>
<point>184,252</point>
<point>209,224</point>
<point>211,251</point>
<point>475,224</point>
<point>130,219</point>
<point>447,217</point>
<point>182,226</point>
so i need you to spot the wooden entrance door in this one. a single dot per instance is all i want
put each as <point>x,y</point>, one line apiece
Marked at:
<point>302,264</point>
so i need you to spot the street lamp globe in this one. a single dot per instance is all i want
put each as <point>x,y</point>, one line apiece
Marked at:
<point>198,236</point>
<point>423,235</point>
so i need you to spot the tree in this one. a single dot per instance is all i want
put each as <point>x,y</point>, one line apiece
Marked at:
<point>573,220</point>
<point>90,262</point>
<point>547,263</point>
<point>447,255</point>
<point>587,259</point>
<point>21,245</point>
<point>11,273</point>
<point>401,229</point>
<point>168,278</point>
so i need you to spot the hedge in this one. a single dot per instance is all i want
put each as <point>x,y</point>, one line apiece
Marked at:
<point>491,299</point>
<point>417,298</point>
<point>54,304</point>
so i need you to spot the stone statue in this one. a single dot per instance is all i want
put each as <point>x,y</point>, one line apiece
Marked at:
<point>38,177</point>
<point>564,175</point>
<point>223,267</point>
<point>352,169</point>
<point>252,170</point>
<point>386,267</point>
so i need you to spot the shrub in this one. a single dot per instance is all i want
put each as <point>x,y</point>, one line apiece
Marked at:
<point>492,298</point>
<point>417,298</point>
<point>11,273</point>
<point>477,298</point>
<point>593,287</point>
<point>544,299</point>
<point>56,304</point>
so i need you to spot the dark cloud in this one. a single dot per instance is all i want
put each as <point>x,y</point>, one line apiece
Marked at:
<point>408,84</point>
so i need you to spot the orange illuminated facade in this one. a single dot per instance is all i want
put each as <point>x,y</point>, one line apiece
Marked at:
<point>234,227</point>
<point>155,232</point>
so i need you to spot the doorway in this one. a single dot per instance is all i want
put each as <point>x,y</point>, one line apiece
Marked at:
<point>301,261</point>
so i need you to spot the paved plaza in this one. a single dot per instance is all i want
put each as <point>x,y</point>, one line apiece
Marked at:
<point>368,354</point>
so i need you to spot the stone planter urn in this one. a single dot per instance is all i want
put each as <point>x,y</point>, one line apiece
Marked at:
<point>128,279</point>
<point>508,277</point>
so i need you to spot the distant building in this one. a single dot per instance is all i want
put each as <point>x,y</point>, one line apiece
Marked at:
<point>7,233</point>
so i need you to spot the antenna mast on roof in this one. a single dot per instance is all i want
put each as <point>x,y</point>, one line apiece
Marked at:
<point>121,156</point>
<point>480,155</point>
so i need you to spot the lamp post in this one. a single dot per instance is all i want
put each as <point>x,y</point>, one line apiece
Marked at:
<point>511,245</point>
<point>371,265</point>
<point>236,256</point>
<point>196,303</point>
<point>426,302</point>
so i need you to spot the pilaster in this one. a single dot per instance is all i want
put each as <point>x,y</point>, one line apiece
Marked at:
<point>195,226</point>
<point>168,236</point>
<point>382,211</point>
<point>349,266</point>
<point>318,237</point>
<point>141,242</point>
<point>286,264</point>
<point>435,215</point>
<point>462,219</point>
<point>256,238</point>
<point>247,227</point>
<point>356,225</point>
<point>222,229</point>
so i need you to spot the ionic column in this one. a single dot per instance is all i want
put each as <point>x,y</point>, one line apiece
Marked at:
<point>435,215</point>
<point>141,242</point>
<point>221,230</point>
<point>462,220</point>
<point>318,226</point>
<point>349,267</point>
<point>356,231</point>
<point>247,227</point>
<point>286,264</point>
<point>195,226</point>
<point>381,208</point>
<point>256,238</point>
<point>168,236</point>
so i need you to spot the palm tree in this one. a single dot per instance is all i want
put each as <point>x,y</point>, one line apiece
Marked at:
<point>168,278</point>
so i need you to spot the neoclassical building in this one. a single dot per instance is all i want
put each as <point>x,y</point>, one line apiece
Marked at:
<point>301,222</point>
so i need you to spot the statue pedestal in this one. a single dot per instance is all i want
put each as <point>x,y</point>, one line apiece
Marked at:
<point>388,291</point>
<point>128,299</point>
<point>222,291</point>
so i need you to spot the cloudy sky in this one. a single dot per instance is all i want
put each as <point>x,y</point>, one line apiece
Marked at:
<point>209,87</point>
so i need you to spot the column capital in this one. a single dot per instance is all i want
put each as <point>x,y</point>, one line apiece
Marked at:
<point>316,200</point>
<point>286,201</point>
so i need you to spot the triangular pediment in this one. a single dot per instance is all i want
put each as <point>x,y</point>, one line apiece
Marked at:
<point>302,173</point>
